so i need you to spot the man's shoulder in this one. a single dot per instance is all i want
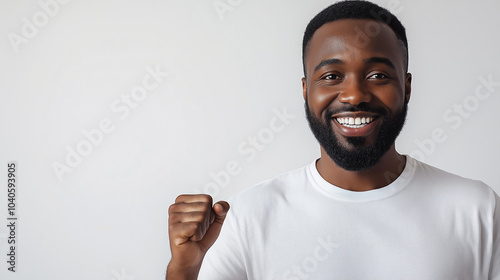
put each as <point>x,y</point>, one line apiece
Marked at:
<point>439,180</point>
<point>274,190</point>
<point>427,171</point>
<point>280,183</point>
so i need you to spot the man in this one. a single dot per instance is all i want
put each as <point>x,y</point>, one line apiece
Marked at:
<point>361,211</point>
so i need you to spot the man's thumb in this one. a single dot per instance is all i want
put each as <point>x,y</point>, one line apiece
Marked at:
<point>220,208</point>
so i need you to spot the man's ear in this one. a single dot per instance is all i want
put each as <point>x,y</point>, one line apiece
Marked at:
<point>408,87</point>
<point>304,88</point>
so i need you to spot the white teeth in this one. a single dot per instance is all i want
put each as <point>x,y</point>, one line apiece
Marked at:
<point>355,122</point>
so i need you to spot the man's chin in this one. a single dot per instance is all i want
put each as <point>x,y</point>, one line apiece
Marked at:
<point>353,144</point>
<point>356,142</point>
<point>354,153</point>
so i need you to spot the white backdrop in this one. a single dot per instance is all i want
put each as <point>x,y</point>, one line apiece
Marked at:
<point>112,108</point>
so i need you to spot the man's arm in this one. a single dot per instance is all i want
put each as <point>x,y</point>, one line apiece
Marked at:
<point>193,225</point>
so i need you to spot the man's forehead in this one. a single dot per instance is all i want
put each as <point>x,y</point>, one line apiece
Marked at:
<point>361,35</point>
<point>348,25</point>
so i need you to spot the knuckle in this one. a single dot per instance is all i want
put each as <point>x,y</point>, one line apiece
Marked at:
<point>180,198</point>
<point>172,208</point>
<point>206,207</point>
<point>172,218</point>
<point>206,198</point>
<point>193,198</point>
<point>202,216</point>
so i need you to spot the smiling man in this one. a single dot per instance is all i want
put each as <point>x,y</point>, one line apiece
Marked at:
<point>362,210</point>
<point>356,100</point>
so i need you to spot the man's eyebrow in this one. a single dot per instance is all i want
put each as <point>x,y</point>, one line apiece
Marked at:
<point>383,60</point>
<point>328,62</point>
<point>371,60</point>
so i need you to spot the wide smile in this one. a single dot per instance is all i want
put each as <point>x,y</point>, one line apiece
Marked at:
<point>356,124</point>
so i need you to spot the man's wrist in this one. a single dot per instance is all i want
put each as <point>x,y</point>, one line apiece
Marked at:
<point>179,271</point>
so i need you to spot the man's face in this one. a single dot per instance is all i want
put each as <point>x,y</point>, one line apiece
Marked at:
<point>356,91</point>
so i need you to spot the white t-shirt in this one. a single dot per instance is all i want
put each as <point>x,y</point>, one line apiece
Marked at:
<point>427,224</point>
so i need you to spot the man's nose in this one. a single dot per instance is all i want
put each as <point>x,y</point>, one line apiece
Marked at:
<point>354,92</point>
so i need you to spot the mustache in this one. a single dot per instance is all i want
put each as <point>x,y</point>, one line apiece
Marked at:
<point>357,108</point>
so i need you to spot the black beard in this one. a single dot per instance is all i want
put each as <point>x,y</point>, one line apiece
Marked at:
<point>359,157</point>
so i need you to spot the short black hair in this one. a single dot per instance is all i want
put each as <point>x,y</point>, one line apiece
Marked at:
<point>355,10</point>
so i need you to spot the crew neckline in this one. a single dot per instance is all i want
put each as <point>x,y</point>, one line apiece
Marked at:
<point>342,194</point>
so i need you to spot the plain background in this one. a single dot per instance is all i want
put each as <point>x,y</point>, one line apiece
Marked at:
<point>228,74</point>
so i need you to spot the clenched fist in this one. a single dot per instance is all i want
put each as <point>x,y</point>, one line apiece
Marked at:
<point>193,226</point>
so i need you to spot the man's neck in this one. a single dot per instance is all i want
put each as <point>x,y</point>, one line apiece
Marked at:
<point>389,167</point>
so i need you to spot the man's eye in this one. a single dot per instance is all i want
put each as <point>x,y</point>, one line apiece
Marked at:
<point>331,77</point>
<point>378,76</point>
